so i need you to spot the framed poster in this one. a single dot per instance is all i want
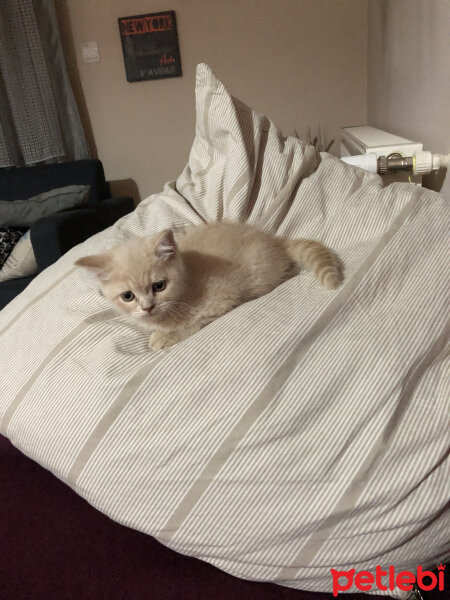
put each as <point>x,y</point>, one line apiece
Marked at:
<point>150,46</point>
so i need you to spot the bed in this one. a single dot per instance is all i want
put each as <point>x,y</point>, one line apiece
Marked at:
<point>304,431</point>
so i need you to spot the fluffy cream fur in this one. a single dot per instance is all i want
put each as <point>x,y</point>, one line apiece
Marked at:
<point>175,288</point>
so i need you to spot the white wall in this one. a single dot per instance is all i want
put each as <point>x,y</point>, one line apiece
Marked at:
<point>300,62</point>
<point>409,73</point>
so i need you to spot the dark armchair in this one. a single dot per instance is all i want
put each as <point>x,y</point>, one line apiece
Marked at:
<point>54,235</point>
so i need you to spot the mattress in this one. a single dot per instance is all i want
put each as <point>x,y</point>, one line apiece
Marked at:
<point>304,431</point>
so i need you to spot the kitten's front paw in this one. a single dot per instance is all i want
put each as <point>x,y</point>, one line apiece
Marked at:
<point>159,340</point>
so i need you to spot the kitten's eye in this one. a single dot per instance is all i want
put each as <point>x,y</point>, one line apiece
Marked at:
<point>159,286</point>
<point>127,296</point>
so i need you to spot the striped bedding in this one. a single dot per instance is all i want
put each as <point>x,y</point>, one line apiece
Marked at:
<point>303,431</point>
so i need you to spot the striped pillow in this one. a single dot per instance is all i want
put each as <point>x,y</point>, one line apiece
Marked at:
<point>303,431</point>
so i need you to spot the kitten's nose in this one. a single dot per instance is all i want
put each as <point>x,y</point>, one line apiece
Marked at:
<point>149,308</point>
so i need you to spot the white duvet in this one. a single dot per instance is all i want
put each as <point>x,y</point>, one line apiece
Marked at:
<point>303,431</point>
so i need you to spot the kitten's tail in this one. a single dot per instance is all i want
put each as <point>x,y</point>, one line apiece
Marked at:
<point>314,256</point>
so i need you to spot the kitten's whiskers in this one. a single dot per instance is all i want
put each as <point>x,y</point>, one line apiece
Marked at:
<point>174,309</point>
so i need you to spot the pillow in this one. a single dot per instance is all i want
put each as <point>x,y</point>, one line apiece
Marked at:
<point>9,236</point>
<point>21,262</point>
<point>241,166</point>
<point>300,432</point>
<point>26,212</point>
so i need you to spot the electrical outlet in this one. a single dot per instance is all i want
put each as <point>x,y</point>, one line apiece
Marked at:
<point>89,52</point>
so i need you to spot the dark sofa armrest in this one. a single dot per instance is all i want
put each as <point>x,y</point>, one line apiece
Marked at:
<point>53,236</point>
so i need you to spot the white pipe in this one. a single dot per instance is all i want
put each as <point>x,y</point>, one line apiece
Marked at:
<point>363,161</point>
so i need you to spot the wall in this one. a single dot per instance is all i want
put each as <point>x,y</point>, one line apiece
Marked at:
<point>301,62</point>
<point>408,74</point>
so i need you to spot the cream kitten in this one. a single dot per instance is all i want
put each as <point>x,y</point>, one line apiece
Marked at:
<point>176,287</point>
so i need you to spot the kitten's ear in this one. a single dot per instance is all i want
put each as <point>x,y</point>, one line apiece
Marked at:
<point>165,246</point>
<point>97,262</point>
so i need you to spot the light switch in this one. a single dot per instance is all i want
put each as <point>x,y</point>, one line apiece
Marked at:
<point>89,52</point>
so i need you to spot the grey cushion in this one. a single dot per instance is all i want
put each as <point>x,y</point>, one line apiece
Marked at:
<point>26,212</point>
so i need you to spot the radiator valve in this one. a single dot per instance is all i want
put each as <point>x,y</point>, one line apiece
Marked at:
<point>425,162</point>
<point>420,163</point>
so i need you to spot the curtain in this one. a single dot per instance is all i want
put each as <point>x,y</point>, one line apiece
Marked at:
<point>39,119</point>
